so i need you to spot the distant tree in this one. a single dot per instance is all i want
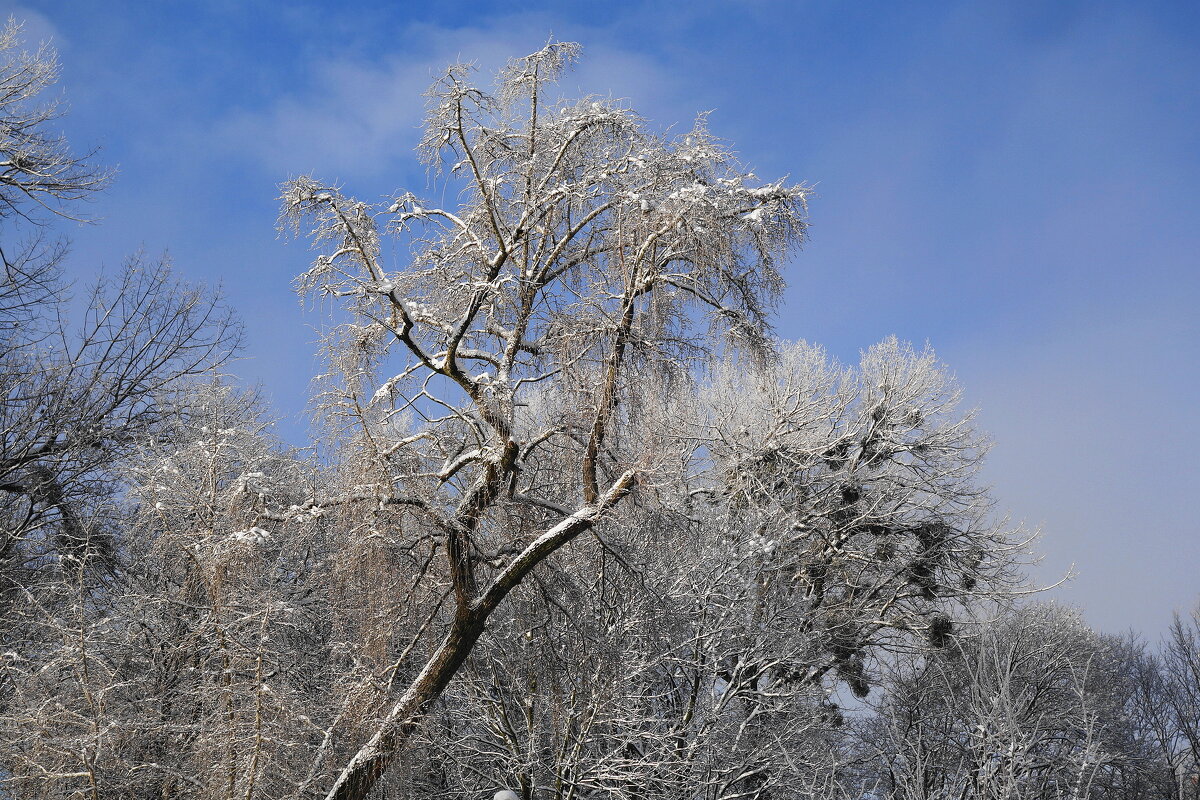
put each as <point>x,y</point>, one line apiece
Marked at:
<point>1031,705</point>
<point>1165,707</point>
<point>155,684</point>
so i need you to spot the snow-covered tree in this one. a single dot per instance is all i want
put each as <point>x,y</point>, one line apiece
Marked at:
<point>76,396</point>
<point>1164,708</point>
<point>175,676</point>
<point>491,380</point>
<point>1020,707</point>
<point>690,649</point>
<point>582,345</point>
<point>78,400</point>
<point>39,175</point>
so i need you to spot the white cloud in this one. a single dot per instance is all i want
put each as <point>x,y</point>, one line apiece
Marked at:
<point>354,118</point>
<point>358,116</point>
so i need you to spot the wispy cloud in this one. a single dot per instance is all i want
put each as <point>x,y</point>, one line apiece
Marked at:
<point>358,116</point>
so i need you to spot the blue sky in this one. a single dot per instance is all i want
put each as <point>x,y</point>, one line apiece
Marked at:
<point>1014,182</point>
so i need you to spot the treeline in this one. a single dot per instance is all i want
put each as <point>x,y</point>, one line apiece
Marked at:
<point>576,525</point>
<point>1037,705</point>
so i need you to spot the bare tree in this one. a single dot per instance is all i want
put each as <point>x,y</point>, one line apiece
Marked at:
<point>817,518</point>
<point>77,401</point>
<point>38,173</point>
<point>1020,707</point>
<point>74,399</point>
<point>184,674</point>
<point>858,488</point>
<point>572,273</point>
<point>1165,707</point>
